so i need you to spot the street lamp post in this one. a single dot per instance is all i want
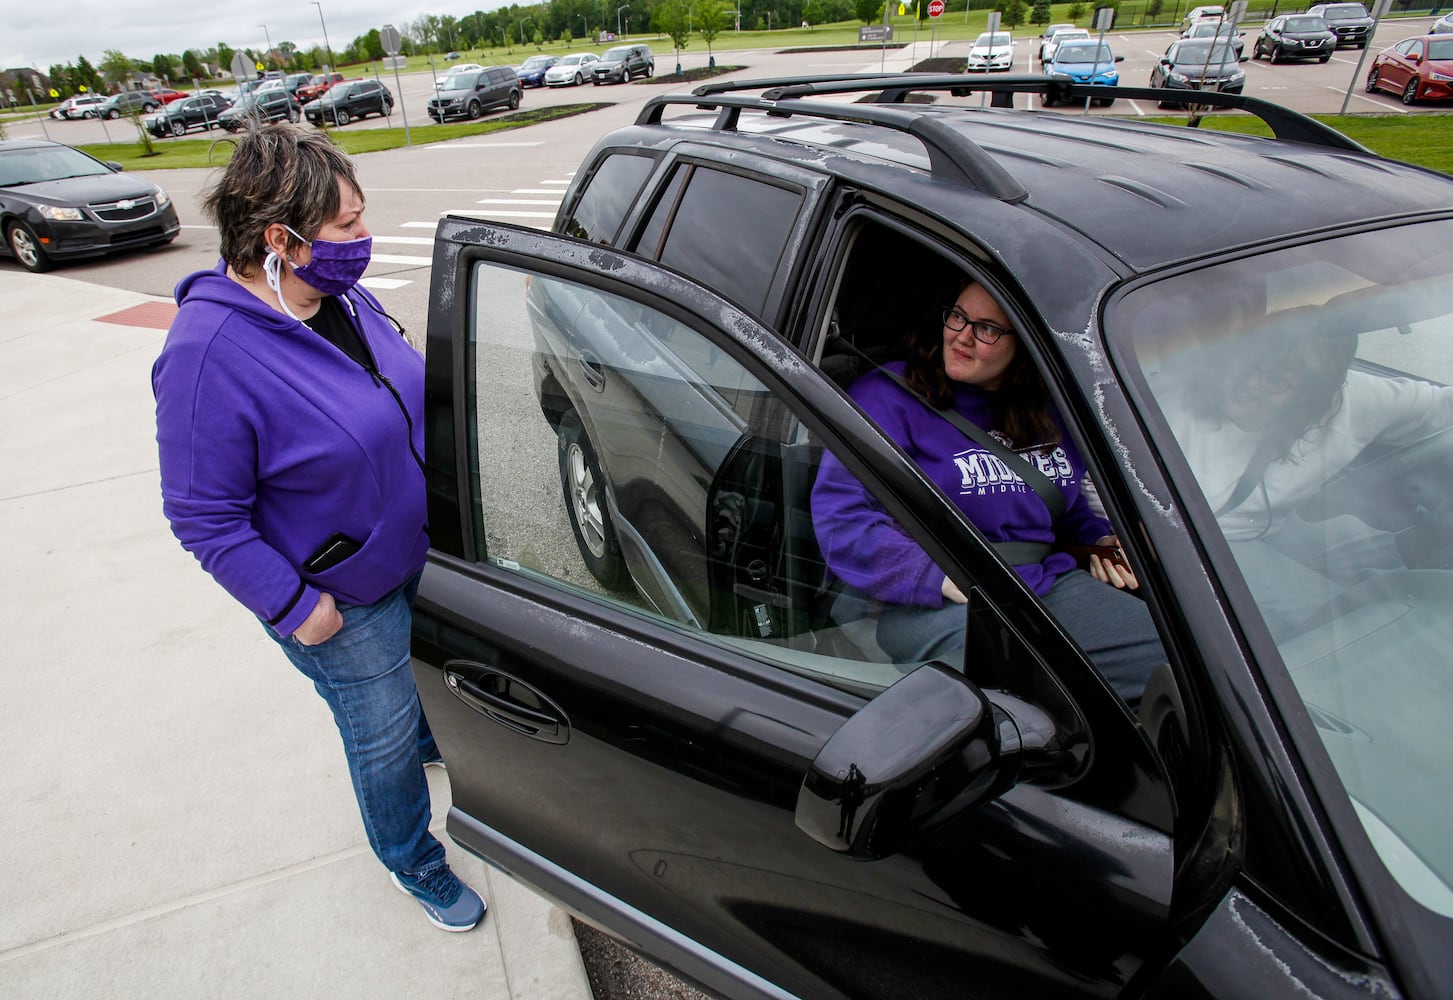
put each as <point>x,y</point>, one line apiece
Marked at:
<point>618,18</point>
<point>270,51</point>
<point>584,24</point>
<point>522,30</point>
<point>324,23</point>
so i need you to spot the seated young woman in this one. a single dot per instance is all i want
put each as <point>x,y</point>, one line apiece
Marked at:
<point>974,367</point>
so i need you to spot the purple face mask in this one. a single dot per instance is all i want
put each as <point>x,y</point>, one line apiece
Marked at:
<point>335,267</point>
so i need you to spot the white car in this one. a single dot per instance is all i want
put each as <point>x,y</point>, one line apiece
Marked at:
<point>1052,42</point>
<point>1202,14</point>
<point>454,71</point>
<point>991,51</point>
<point>80,106</point>
<point>571,70</point>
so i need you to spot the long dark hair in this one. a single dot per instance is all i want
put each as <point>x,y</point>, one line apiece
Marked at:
<point>1022,400</point>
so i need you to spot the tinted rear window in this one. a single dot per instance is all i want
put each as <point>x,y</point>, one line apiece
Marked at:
<point>608,197</point>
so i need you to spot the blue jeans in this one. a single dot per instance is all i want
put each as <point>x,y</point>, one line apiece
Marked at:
<point>365,675</point>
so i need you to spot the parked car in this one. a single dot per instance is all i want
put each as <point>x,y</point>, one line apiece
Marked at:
<point>179,117</point>
<point>1225,33</point>
<point>469,95</point>
<point>128,101</point>
<point>451,56</point>
<point>294,82</point>
<point>260,105</point>
<point>1350,22</point>
<point>991,50</point>
<point>571,70</point>
<point>1052,42</point>
<point>1442,26</point>
<point>167,95</point>
<point>662,725</point>
<point>79,106</point>
<point>1049,32</point>
<point>1198,64</point>
<point>58,204</point>
<point>1085,62</point>
<point>622,64</point>
<point>349,100</point>
<point>1416,69</point>
<point>1198,14</point>
<point>454,71</point>
<point>317,86</point>
<point>1295,36</point>
<point>531,72</point>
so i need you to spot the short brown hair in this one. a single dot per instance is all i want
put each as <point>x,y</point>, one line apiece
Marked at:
<point>278,172</point>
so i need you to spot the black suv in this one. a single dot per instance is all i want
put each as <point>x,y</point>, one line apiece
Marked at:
<point>1350,22</point>
<point>623,64</point>
<point>348,100</point>
<point>469,95</point>
<point>177,118</point>
<point>656,707</point>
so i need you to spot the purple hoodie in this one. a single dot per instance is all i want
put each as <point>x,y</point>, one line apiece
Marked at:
<point>272,440</point>
<point>864,546</point>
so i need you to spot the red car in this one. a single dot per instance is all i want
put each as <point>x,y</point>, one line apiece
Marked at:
<point>166,95</point>
<point>1416,69</point>
<point>317,86</point>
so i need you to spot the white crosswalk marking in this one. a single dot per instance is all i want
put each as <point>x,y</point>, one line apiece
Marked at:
<point>537,211</point>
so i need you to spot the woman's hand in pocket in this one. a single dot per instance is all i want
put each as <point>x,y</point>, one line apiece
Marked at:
<point>322,625</point>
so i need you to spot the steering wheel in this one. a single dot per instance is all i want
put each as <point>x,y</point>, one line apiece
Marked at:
<point>1408,488</point>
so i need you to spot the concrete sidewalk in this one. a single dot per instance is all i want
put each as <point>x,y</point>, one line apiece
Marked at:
<point>178,820</point>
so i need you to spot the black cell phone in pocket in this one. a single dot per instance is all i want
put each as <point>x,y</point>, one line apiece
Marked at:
<point>332,552</point>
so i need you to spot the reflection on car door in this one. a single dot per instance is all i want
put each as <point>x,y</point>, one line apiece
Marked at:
<point>645,768</point>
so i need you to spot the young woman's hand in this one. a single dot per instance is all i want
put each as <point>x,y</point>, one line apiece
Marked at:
<point>322,624</point>
<point>951,591</point>
<point>1117,573</point>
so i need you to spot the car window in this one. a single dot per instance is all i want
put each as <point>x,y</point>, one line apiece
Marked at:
<point>679,491</point>
<point>607,197</point>
<point>685,231</point>
<point>1307,391</point>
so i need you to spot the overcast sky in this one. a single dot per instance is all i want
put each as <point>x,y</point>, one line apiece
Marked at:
<point>42,34</point>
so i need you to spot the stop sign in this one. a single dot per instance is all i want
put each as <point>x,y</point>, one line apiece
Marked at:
<point>935,8</point>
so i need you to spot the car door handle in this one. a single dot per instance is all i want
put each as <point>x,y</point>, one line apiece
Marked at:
<point>510,702</point>
<point>593,370</point>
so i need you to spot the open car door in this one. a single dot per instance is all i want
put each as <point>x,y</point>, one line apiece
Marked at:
<point>626,645</point>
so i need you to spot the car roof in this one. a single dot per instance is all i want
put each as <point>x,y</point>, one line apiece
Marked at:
<point>1112,181</point>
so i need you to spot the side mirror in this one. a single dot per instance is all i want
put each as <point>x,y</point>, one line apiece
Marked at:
<point>1119,58</point>
<point>1244,58</point>
<point>113,165</point>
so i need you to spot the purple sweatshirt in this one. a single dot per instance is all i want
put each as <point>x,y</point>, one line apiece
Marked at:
<point>865,547</point>
<point>272,440</point>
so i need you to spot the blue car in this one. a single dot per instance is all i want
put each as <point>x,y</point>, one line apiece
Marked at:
<point>1085,62</point>
<point>531,72</point>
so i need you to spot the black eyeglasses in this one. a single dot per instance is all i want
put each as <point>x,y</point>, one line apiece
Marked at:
<point>984,332</point>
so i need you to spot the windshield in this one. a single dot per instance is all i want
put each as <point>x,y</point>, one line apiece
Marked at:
<point>1306,24</point>
<point>1441,49</point>
<point>535,62</point>
<point>1309,393</point>
<point>1345,10</point>
<point>615,55</point>
<point>462,81</point>
<point>987,40</point>
<point>1205,53</point>
<point>1084,54</point>
<point>46,163</point>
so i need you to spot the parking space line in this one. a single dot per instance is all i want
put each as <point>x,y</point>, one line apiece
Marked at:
<point>391,258</point>
<point>385,284</point>
<point>1370,100</point>
<point>518,201</point>
<point>482,145</point>
<point>417,241</point>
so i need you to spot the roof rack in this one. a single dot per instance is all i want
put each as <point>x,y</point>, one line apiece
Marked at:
<point>894,88</point>
<point>951,155</point>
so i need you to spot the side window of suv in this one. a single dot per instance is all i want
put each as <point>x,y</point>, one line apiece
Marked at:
<point>607,197</point>
<point>620,451</point>
<point>699,207</point>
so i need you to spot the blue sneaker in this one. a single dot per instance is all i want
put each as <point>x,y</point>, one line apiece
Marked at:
<point>449,904</point>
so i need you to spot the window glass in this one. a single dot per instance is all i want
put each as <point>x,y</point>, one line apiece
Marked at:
<point>714,205</point>
<point>608,197</point>
<point>1309,392</point>
<point>618,452</point>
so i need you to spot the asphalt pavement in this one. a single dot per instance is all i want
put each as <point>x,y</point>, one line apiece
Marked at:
<point>178,817</point>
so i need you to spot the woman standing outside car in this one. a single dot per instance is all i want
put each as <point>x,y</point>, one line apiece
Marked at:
<point>970,408</point>
<point>289,425</point>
